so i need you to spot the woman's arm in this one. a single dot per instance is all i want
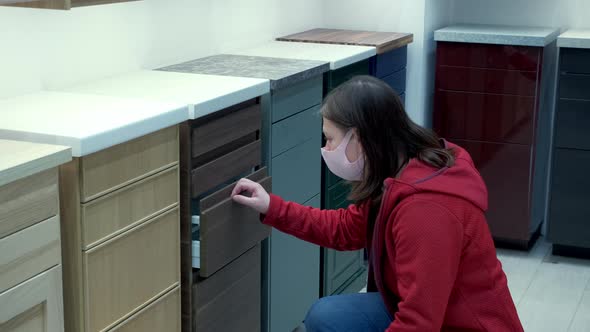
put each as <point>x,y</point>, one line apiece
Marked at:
<point>343,229</point>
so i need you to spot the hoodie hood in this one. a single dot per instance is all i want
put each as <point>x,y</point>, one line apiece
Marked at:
<point>461,180</point>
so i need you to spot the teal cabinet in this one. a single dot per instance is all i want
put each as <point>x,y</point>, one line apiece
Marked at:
<point>294,126</point>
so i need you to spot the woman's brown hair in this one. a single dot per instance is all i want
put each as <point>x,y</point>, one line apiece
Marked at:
<point>388,136</point>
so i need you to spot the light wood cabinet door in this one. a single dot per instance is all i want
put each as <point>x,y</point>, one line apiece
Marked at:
<point>27,201</point>
<point>29,252</point>
<point>161,315</point>
<point>123,274</point>
<point>34,305</point>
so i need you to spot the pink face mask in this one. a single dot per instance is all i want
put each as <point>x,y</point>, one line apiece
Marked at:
<point>339,164</point>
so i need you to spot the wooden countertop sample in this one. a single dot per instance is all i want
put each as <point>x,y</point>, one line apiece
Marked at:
<point>383,41</point>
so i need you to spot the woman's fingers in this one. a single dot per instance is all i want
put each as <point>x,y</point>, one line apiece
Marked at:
<point>244,200</point>
<point>243,185</point>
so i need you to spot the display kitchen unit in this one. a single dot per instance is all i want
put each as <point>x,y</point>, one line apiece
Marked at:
<point>119,193</point>
<point>340,271</point>
<point>494,96</point>
<point>220,141</point>
<point>31,275</point>
<point>569,194</point>
<point>291,137</point>
<point>389,63</point>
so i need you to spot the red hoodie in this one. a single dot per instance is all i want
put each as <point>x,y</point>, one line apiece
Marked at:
<point>432,256</point>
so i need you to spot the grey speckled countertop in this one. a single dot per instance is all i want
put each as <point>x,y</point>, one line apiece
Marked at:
<point>574,39</point>
<point>281,72</point>
<point>497,34</point>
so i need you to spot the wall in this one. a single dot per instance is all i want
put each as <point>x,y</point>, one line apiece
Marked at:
<point>52,49</point>
<point>437,15</point>
<point>551,13</point>
<point>399,16</point>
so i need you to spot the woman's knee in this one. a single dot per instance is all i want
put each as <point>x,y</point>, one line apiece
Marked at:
<point>323,315</point>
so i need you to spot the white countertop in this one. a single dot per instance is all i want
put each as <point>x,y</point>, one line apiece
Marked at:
<point>21,159</point>
<point>574,39</point>
<point>203,94</point>
<point>497,34</point>
<point>87,123</point>
<point>337,55</point>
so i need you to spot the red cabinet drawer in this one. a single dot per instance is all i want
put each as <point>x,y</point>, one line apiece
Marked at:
<point>506,171</point>
<point>488,56</point>
<point>484,117</point>
<point>520,83</point>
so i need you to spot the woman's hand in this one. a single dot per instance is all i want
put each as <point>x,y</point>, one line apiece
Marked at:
<point>251,194</point>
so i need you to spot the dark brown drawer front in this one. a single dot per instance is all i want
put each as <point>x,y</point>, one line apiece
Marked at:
<point>225,127</point>
<point>229,301</point>
<point>226,167</point>
<point>229,229</point>
<point>512,82</point>
<point>488,56</point>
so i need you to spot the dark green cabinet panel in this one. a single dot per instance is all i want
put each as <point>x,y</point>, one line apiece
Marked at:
<point>294,99</point>
<point>295,130</point>
<point>569,209</point>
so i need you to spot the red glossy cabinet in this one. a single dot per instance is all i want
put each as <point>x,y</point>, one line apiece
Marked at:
<point>487,100</point>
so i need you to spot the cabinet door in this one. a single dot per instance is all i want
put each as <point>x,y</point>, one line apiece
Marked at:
<point>294,278</point>
<point>34,305</point>
<point>506,170</point>
<point>569,211</point>
<point>340,267</point>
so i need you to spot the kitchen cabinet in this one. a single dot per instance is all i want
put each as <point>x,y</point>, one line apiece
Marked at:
<point>219,142</point>
<point>119,205</point>
<point>568,227</point>
<point>389,62</point>
<point>493,96</point>
<point>290,132</point>
<point>30,267</point>
<point>59,4</point>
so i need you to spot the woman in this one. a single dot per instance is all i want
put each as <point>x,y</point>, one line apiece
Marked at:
<point>419,210</point>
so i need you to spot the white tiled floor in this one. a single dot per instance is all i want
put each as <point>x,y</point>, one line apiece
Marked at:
<point>551,293</point>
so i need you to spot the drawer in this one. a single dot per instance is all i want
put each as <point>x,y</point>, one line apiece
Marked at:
<point>225,127</point>
<point>574,86</point>
<point>486,80</point>
<point>296,98</point>
<point>127,207</point>
<point>506,170</point>
<point>218,171</point>
<point>297,173</point>
<point>390,62</point>
<point>484,117</point>
<point>230,300</point>
<point>572,121</point>
<point>574,60</point>
<point>569,211</point>
<point>29,252</point>
<point>488,56</point>
<point>397,81</point>
<point>34,305</point>
<point>161,315</point>
<point>118,166</point>
<point>123,274</point>
<point>27,201</point>
<point>228,229</point>
<point>344,74</point>
<point>295,130</point>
